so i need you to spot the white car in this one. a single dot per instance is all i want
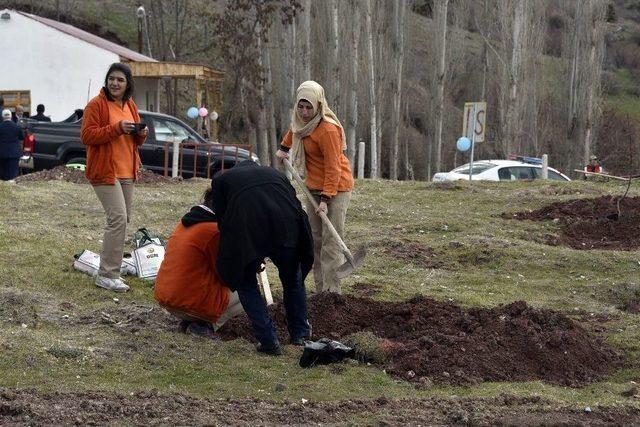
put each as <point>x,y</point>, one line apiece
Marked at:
<point>500,170</point>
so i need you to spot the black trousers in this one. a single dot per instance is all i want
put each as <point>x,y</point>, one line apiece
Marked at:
<point>9,168</point>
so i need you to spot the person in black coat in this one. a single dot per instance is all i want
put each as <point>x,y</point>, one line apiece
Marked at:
<point>40,116</point>
<point>10,147</point>
<point>260,216</point>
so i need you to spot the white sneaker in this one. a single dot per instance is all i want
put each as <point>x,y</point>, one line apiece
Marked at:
<point>116,285</point>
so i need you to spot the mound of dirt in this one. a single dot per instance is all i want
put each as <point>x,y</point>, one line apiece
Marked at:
<point>426,340</point>
<point>591,223</point>
<point>63,173</point>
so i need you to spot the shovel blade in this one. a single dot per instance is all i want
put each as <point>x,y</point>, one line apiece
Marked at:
<point>347,268</point>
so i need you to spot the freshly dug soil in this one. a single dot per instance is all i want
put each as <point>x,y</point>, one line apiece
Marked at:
<point>63,173</point>
<point>588,223</point>
<point>425,340</point>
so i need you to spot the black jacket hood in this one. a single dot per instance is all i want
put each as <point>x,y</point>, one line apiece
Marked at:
<point>199,214</point>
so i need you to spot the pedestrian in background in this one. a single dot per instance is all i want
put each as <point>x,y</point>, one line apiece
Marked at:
<point>260,216</point>
<point>11,137</point>
<point>316,143</point>
<point>593,166</point>
<point>19,114</point>
<point>112,139</point>
<point>40,114</point>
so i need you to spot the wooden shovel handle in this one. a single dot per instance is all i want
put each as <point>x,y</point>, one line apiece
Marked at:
<point>322,215</point>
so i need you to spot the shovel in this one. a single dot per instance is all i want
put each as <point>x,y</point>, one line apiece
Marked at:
<point>353,260</point>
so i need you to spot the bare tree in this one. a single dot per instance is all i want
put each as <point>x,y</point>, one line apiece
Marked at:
<point>305,49</point>
<point>441,21</point>
<point>584,52</point>
<point>335,63</point>
<point>399,9</point>
<point>373,119</point>
<point>352,118</point>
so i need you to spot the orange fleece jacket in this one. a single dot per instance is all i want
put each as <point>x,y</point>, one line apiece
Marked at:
<point>188,280</point>
<point>98,135</point>
<point>328,169</point>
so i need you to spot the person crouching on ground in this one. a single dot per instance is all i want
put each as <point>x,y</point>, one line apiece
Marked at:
<point>108,130</point>
<point>317,144</point>
<point>188,284</point>
<point>260,216</point>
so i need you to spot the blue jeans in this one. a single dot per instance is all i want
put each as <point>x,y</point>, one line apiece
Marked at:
<point>295,299</point>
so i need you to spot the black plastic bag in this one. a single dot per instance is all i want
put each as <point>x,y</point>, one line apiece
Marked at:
<point>323,352</point>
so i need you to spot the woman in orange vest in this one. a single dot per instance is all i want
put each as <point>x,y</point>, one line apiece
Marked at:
<point>188,284</point>
<point>112,138</point>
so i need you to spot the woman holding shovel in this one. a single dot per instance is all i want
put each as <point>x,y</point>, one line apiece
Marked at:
<point>316,144</point>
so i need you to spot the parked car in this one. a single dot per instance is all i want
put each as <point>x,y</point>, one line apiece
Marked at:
<point>47,145</point>
<point>500,170</point>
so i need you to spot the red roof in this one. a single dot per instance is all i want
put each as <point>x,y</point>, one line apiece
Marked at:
<point>123,52</point>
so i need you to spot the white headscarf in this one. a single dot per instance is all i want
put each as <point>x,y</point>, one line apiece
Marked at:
<point>314,93</point>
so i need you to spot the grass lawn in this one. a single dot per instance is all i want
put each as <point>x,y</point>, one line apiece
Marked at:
<point>55,334</point>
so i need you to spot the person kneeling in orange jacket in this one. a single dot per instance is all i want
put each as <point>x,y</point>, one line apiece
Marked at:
<point>188,285</point>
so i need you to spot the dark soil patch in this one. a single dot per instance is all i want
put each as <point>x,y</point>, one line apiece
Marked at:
<point>426,340</point>
<point>585,223</point>
<point>63,173</point>
<point>413,253</point>
<point>30,407</point>
<point>365,290</point>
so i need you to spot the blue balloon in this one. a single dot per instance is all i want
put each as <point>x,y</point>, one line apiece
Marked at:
<point>463,144</point>
<point>192,112</point>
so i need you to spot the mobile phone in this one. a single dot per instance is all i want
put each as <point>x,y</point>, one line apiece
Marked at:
<point>139,126</point>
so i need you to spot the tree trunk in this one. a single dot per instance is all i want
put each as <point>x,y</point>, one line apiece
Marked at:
<point>441,20</point>
<point>272,142</point>
<point>249,123</point>
<point>512,125</point>
<point>352,120</point>
<point>260,105</point>
<point>305,53</point>
<point>399,7</point>
<point>373,125</point>
<point>335,61</point>
<point>596,7</point>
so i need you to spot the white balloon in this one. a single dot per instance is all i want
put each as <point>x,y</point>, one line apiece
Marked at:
<point>213,116</point>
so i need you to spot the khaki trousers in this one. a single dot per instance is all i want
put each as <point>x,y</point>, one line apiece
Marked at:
<point>326,249</point>
<point>233,309</point>
<point>116,201</point>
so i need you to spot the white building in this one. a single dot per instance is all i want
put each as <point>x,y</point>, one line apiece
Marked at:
<point>48,62</point>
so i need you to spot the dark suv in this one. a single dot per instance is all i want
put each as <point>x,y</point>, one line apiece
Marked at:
<point>47,145</point>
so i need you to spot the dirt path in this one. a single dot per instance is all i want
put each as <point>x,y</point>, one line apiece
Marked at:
<point>28,407</point>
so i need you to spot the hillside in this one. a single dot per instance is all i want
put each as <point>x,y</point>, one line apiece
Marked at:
<point>619,107</point>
